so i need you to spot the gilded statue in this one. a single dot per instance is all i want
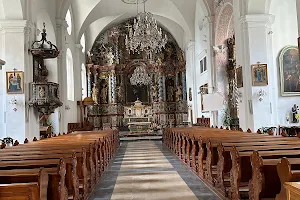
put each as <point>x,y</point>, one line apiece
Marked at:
<point>179,94</point>
<point>154,93</point>
<point>110,57</point>
<point>95,92</point>
<point>180,56</point>
<point>89,58</point>
<point>104,94</point>
<point>119,94</point>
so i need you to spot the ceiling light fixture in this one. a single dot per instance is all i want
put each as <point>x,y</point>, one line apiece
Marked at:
<point>145,34</point>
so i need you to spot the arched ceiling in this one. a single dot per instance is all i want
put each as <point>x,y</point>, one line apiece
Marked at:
<point>87,13</point>
<point>101,24</point>
<point>11,9</point>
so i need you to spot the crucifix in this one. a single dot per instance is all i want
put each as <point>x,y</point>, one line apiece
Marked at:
<point>128,26</point>
<point>14,71</point>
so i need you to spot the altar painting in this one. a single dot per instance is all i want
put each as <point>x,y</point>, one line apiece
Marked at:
<point>289,71</point>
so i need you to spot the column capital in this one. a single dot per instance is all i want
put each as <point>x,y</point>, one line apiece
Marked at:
<point>79,46</point>
<point>15,26</point>
<point>61,23</point>
<point>190,44</point>
<point>258,20</point>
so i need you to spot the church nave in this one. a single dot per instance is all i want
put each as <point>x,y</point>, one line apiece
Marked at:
<point>148,170</point>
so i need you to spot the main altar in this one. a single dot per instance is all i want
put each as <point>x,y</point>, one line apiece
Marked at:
<point>138,117</point>
<point>120,104</point>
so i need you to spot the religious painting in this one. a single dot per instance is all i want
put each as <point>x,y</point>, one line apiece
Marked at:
<point>15,82</point>
<point>259,74</point>
<point>239,77</point>
<point>289,71</point>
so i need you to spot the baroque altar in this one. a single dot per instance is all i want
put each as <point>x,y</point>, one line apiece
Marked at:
<point>109,69</point>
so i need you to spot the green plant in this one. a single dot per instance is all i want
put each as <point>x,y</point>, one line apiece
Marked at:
<point>226,117</point>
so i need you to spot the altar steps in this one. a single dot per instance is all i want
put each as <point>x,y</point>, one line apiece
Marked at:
<point>127,136</point>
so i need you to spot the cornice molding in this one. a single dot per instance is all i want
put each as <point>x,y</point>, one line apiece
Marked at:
<point>258,20</point>
<point>190,44</point>
<point>15,26</point>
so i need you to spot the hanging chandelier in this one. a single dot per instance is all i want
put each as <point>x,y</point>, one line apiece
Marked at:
<point>140,76</point>
<point>145,34</point>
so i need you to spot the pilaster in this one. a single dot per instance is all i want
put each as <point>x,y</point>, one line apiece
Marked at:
<point>191,76</point>
<point>256,47</point>
<point>61,28</point>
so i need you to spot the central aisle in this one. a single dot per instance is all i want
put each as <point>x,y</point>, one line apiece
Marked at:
<point>145,170</point>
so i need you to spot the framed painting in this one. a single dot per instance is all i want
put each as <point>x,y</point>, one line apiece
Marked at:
<point>289,67</point>
<point>15,82</point>
<point>259,74</point>
<point>239,77</point>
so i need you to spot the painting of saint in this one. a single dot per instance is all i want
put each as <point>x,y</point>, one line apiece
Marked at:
<point>259,74</point>
<point>15,82</point>
<point>289,71</point>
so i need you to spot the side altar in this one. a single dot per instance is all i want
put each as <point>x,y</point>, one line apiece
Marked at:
<point>138,117</point>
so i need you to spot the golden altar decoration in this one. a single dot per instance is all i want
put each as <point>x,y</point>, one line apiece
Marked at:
<point>138,117</point>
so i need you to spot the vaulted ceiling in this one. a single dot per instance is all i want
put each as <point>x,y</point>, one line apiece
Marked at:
<point>92,16</point>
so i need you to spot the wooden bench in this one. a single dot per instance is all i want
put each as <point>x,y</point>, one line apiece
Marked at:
<point>81,171</point>
<point>207,152</point>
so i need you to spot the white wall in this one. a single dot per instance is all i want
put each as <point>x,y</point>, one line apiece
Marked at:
<point>285,32</point>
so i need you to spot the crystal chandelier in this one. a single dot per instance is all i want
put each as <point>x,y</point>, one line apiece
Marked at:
<point>140,76</point>
<point>145,34</point>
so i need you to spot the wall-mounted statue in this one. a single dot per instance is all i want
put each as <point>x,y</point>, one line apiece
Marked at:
<point>154,93</point>
<point>179,93</point>
<point>89,58</point>
<point>110,57</point>
<point>104,91</point>
<point>295,114</point>
<point>190,94</point>
<point>95,93</point>
<point>170,92</point>
<point>120,94</point>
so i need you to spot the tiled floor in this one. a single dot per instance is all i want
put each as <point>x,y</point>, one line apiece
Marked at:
<point>146,170</point>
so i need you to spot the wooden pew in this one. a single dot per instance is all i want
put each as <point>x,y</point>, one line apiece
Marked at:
<point>37,155</point>
<point>37,183</point>
<point>179,142</point>
<point>270,175</point>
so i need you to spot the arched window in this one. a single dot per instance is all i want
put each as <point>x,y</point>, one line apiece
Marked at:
<point>69,22</point>
<point>82,42</point>
<point>70,76</point>
<point>83,81</point>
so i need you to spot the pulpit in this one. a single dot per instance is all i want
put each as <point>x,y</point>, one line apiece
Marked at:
<point>138,117</point>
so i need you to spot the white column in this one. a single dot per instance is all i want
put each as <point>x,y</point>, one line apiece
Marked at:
<point>61,28</point>
<point>298,15</point>
<point>16,39</point>
<point>211,63</point>
<point>78,60</point>
<point>254,44</point>
<point>191,77</point>
<point>2,93</point>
